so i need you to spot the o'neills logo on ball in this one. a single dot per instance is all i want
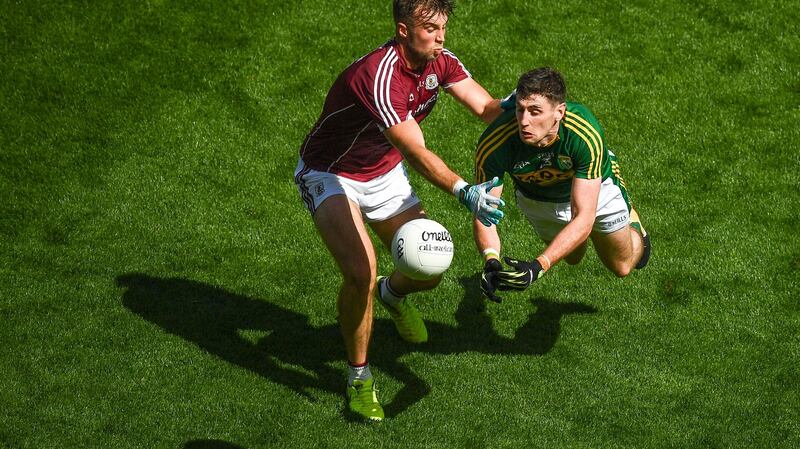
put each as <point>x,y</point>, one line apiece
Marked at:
<point>440,236</point>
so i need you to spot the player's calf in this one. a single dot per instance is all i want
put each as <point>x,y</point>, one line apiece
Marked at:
<point>636,224</point>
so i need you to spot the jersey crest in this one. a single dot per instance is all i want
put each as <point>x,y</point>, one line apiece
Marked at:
<point>431,82</point>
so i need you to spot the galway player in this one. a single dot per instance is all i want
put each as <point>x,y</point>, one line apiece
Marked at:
<point>567,184</point>
<point>350,173</point>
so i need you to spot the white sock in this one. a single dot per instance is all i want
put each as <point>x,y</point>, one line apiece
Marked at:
<point>358,373</point>
<point>388,295</point>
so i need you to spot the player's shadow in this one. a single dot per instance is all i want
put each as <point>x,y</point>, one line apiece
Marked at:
<point>283,347</point>
<point>210,444</point>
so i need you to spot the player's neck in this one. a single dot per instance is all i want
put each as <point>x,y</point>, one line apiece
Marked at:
<point>408,59</point>
<point>550,138</point>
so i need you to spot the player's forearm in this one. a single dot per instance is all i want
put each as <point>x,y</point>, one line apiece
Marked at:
<point>491,111</point>
<point>486,240</point>
<point>476,99</point>
<point>432,168</point>
<point>569,239</point>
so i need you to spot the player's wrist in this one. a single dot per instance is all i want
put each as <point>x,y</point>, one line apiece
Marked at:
<point>458,186</point>
<point>544,262</point>
<point>490,253</point>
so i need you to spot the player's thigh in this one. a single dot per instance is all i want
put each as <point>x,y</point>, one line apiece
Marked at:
<point>342,228</point>
<point>615,249</point>
<point>386,229</point>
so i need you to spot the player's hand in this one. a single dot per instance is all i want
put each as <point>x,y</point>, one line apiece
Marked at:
<point>489,279</point>
<point>482,205</point>
<point>522,275</point>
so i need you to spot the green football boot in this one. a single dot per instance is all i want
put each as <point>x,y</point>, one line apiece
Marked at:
<point>362,398</point>
<point>406,318</point>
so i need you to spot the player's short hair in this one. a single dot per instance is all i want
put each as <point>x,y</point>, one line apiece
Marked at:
<point>543,81</point>
<point>411,12</point>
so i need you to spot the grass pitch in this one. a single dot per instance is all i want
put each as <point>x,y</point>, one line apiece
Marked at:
<point>163,286</point>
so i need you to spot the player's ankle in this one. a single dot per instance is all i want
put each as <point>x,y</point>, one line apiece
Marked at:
<point>387,293</point>
<point>357,371</point>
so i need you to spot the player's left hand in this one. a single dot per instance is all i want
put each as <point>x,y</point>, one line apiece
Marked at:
<point>522,275</point>
<point>489,280</point>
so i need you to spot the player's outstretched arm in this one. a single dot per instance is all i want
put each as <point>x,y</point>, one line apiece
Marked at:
<point>472,95</point>
<point>407,137</point>
<point>487,241</point>
<point>585,193</point>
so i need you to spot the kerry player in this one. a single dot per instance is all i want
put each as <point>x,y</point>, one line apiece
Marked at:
<point>350,173</point>
<point>567,184</point>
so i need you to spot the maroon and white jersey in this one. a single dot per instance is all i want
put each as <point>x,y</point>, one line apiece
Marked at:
<point>373,94</point>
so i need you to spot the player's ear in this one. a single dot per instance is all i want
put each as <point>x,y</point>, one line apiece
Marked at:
<point>561,110</point>
<point>402,30</point>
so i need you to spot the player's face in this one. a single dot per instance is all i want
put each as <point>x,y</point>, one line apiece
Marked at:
<point>425,39</point>
<point>538,119</point>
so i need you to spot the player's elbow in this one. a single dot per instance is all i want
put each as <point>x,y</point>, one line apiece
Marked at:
<point>490,111</point>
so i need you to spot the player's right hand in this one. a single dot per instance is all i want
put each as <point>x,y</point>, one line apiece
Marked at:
<point>489,279</point>
<point>483,206</point>
<point>521,277</point>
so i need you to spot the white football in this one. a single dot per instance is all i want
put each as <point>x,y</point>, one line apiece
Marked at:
<point>422,249</point>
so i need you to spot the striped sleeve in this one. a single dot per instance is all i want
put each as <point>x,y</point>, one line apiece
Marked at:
<point>453,70</point>
<point>589,149</point>
<point>488,163</point>
<point>373,84</point>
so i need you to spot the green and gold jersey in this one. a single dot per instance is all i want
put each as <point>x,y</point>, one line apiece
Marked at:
<point>544,174</point>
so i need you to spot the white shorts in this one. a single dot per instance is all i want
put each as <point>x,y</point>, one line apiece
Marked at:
<point>548,219</point>
<point>379,198</point>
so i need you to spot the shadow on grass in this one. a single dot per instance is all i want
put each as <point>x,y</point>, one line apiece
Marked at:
<point>210,444</point>
<point>266,338</point>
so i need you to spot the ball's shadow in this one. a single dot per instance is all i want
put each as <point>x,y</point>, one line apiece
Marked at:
<point>215,320</point>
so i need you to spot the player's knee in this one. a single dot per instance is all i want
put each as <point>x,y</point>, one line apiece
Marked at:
<point>622,270</point>
<point>359,276</point>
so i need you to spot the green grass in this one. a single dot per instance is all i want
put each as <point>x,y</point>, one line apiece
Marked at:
<point>163,286</point>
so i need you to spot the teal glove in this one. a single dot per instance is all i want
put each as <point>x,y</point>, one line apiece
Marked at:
<point>482,205</point>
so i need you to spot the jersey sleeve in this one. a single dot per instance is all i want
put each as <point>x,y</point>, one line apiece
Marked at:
<point>587,148</point>
<point>376,88</point>
<point>490,155</point>
<point>453,70</point>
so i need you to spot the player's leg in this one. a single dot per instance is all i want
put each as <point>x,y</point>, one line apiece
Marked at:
<point>339,222</point>
<point>620,250</point>
<point>617,243</point>
<point>634,219</point>
<point>636,224</point>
